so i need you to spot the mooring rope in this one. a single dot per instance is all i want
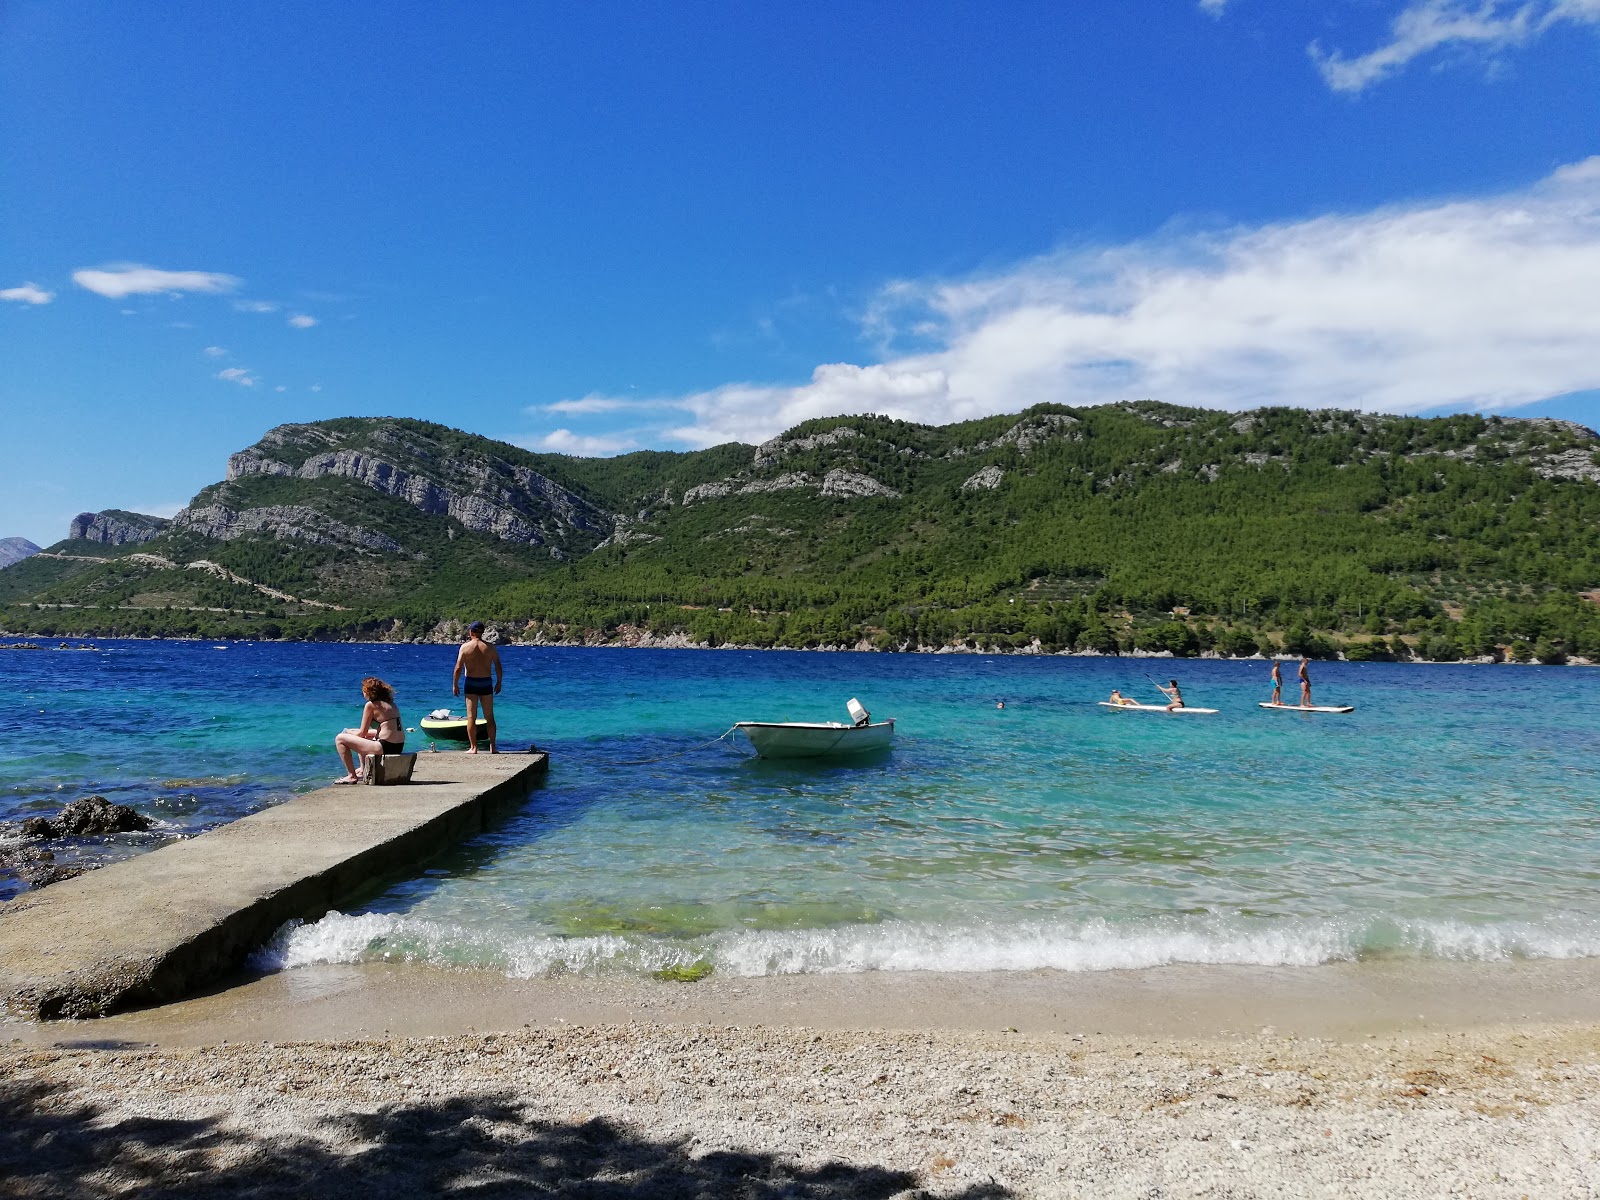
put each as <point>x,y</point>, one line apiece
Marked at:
<point>675,754</point>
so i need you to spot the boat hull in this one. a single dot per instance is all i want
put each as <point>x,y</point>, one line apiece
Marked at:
<point>452,730</point>
<point>800,740</point>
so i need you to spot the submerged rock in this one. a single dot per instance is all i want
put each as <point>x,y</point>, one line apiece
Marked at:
<point>37,868</point>
<point>86,817</point>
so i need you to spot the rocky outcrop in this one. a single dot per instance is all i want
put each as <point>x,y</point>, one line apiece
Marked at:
<point>485,493</point>
<point>1554,425</point>
<point>1026,434</point>
<point>115,527</point>
<point>837,483</point>
<point>850,484</point>
<point>15,549</point>
<point>280,522</point>
<point>985,480</point>
<point>626,533</point>
<point>787,482</point>
<point>768,453</point>
<point>1570,464</point>
<point>707,491</point>
<point>88,817</point>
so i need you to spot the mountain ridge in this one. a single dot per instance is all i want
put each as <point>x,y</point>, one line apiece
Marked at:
<point>1102,523</point>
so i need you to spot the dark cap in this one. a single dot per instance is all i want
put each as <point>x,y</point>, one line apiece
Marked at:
<point>475,627</point>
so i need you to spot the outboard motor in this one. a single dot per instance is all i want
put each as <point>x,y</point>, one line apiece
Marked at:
<point>858,714</point>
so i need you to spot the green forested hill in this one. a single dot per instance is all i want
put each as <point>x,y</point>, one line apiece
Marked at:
<point>1104,528</point>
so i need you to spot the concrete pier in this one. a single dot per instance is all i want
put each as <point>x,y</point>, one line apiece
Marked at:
<point>159,926</point>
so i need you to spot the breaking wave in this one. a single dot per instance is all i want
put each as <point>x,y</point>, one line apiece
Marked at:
<point>906,946</point>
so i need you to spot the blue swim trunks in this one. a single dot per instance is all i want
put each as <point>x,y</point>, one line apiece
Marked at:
<point>478,686</point>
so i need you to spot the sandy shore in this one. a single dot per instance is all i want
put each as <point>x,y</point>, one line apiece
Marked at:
<point>1229,1082</point>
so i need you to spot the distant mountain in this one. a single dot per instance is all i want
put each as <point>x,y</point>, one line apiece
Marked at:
<point>1134,525</point>
<point>15,549</point>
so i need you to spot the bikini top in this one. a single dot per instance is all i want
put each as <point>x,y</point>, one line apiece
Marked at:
<point>388,718</point>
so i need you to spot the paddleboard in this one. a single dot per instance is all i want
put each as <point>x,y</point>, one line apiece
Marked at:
<point>1188,708</point>
<point>1333,708</point>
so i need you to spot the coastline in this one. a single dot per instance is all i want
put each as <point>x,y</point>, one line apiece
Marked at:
<point>674,643</point>
<point>1488,1103</point>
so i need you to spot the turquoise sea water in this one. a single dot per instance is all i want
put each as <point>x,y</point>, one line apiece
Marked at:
<point>1455,813</point>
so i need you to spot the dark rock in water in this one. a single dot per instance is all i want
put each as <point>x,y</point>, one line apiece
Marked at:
<point>44,876</point>
<point>86,817</point>
<point>37,868</point>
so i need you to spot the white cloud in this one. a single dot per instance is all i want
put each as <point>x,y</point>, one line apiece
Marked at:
<point>316,387</point>
<point>27,293</point>
<point>1213,8</point>
<point>280,388</point>
<point>301,321</point>
<point>591,403</point>
<point>564,441</point>
<point>1425,26</point>
<point>1488,303</point>
<point>130,279</point>
<point>215,352</point>
<point>239,375</point>
<point>256,306</point>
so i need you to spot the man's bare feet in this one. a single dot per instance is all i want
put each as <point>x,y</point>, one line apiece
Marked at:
<point>472,750</point>
<point>348,779</point>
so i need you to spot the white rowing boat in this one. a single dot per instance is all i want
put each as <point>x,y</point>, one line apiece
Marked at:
<point>1328,708</point>
<point>819,739</point>
<point>1185,709</point>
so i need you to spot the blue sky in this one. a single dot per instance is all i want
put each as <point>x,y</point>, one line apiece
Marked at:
<point>591,227</point>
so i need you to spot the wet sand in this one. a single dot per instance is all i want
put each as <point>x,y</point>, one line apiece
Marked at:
<point>1363,1080</point>
<point>1348,1000</point>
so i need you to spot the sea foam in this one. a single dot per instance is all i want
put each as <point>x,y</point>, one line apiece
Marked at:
<point>906,946</point>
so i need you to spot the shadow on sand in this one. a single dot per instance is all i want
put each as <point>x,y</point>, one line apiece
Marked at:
<point>55,1144</point>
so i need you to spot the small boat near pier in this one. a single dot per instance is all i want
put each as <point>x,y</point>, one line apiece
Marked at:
<point>823,739</point>
<point>450,728</point>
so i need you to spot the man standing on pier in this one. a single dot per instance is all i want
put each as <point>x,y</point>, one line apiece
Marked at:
<point>480,661</point>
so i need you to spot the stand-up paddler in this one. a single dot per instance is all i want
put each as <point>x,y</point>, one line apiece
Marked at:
<point>479,662</point>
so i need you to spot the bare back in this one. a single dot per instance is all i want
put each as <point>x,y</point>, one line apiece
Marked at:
<point>478,658</point>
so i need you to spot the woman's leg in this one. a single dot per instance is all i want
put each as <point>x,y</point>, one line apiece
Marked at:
<point>351,747</point>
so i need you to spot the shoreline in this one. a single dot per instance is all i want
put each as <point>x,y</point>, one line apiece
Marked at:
<point>670,644</point>
<point>1335,1001</point>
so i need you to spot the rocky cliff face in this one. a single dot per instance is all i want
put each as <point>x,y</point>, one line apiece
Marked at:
<point>280,521</point>
<point>116,527</point>
<point>14,550</point>
<point>482,491</point>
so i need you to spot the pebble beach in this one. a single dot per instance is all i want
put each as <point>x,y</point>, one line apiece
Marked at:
<point>685,1110</point>
<point>380,1081</point>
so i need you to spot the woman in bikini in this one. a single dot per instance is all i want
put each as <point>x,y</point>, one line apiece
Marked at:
<point>381,732</point>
